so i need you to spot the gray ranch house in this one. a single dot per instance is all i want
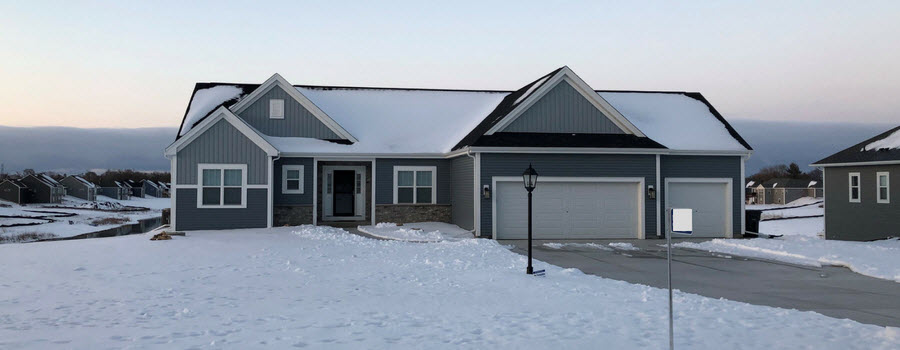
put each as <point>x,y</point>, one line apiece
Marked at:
<point>860,203</point>
<point>44,189</point>
<point>610,162</point>
<point>13,190</point>
<point>116,190</point>
<point>77,186</point>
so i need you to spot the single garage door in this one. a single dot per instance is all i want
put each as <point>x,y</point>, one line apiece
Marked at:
<point>569,210</point>
<point>710,203</point>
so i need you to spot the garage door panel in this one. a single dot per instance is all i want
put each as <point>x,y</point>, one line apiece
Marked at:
<point>569,210</point>
<point>709,201</point>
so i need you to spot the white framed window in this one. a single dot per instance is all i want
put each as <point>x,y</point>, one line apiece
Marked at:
<point>276,109</point>
<point>292,179</point>
<point>415,184</point>
<point>883,180</point>
<point>854,188</point>
<point>222,186</point>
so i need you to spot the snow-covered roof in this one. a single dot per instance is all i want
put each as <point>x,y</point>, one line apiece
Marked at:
<point>205,101</point>
<point>750,184</point>
<point>48,179</point>
<point>85,182</point>
<point>891,141</point>
<point>884,147</point>
<point>812,183</point>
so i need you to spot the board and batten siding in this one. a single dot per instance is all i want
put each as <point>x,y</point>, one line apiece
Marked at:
<point>868,219</point>
<point>462,189</point>
<point>704,167</point>
<point>192,218</point>
<point>568,165</point>
<point>563,110</point>
<point>297,122</point>
<point>384,178</point>
<point>305,198</point>
<point>222,144</point>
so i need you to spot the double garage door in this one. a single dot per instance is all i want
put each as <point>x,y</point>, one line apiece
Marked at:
<point>563,209</point>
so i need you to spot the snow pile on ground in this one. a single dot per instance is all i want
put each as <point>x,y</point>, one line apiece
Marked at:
<point>576,246</point>
<point>623,246</point>
<point>880,259</point>
<point>101,205</point>
<point>417,231</point>
<point>892,141</point>
<point>321,287</point>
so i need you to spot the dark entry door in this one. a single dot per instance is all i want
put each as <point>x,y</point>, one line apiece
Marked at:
<point>344,196</point>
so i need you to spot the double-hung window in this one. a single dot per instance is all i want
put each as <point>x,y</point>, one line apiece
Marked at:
<point>854,188</point>
<point>222,186</point>
<point>415,184</point>
<point>884,186</point>
<point>292,179</point>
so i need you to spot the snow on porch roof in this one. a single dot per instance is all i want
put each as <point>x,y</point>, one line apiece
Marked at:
<point>398,120</point>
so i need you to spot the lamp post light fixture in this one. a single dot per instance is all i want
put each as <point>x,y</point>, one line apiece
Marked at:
<point>529,177</point>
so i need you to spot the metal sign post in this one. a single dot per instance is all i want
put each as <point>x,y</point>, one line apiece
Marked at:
<point>681,221</point>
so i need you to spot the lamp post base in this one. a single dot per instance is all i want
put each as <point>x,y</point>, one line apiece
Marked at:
<point>529,270</point>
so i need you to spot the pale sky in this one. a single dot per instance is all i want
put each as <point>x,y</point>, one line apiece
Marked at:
<point>134,64</point>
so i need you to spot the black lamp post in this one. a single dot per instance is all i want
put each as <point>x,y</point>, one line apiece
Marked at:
<point>530,178</point>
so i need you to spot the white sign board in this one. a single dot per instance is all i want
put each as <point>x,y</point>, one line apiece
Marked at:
<point>682,221</point>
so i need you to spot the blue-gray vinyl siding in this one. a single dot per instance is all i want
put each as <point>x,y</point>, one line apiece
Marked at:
<point>462,198</point>
<point>12,193</point>
<point>297,122</point>
<point>868,219</point>
<point>563,110</point>
<point>305,198</point>
<point>568,165</point>
<point>705,167</point>
<point>384,178</point>
<point>78,189</point>
<point>189,217</point>
<point>222,144</point>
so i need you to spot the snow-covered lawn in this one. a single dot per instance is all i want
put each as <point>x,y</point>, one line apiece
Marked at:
<point>321,287</point>
<point>803,244</point>
<point>417,231</point>
<point>85,219</point>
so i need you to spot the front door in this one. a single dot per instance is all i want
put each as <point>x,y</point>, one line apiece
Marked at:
<point>343,192</point>
<point>344,181</point>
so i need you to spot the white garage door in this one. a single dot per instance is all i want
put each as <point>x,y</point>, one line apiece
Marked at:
<point>569,210</point>
<point>709,202</point>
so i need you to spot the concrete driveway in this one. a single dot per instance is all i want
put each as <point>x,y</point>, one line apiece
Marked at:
<point>831,291</point>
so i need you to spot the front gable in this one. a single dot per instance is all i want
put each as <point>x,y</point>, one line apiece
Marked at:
<point>563,110</point>
<point>296,121</point>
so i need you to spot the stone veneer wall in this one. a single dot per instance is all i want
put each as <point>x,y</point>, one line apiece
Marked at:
<point>404,213</point>
<point>292,215</point>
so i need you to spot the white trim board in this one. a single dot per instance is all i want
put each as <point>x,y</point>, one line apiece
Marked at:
<point>638,180</point>
<point>219,114</point>
<point>882,162</point>
<point>850,187</point>
<point>567,75</point>
<point>359,210</point>
<point>887,175</point>
<point>277,80</point>
<point>729,199</point>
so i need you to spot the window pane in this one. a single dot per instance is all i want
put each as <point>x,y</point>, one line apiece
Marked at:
<point>232,177</point>
<point>404,178</point>
<point>233,196</point>
<point>404,195</point>
<point>211,196</point>
<point>423,178</point>
<point>212,177</point>
<point>423,195</point>
<point>882,193</point>
<point>854,193</point>
<point>882,180</point>
<point>854,181</point>
<point>293,184</point>
<point>293,174</point>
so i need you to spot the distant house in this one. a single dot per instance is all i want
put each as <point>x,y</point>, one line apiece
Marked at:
<point>14,191</point>
<point>786,190</point>
<point>164,188</point>
<point>77,186</point>
<point>137,189</point>
<point>861,204</point>
<point>44,189</point>
<point>116,190</point>
<point>151,188</point>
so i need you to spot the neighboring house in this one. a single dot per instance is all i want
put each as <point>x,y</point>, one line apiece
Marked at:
<point>77,186</point>
<point>750,193</point>
<point>861,203</point>
<point>164,188</point>
<point>116,190</point>
<point>786,190</point>
<point>44,189</point>
<point>610,162</point>
<point>151,188</point>
<point>137,189</point>
<point>14,191</point>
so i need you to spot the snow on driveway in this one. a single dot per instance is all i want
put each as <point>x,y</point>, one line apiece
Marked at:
<point>321,287</point>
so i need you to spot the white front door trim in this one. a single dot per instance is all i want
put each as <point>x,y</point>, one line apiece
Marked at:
<point>359,207</point>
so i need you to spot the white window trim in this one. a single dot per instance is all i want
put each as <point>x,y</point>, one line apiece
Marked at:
<point>432,169</point>
<point>858,187</point>
<point>223,167</point>
<point>879,185</point>
<point>272,103</point>
<point>284,179</point>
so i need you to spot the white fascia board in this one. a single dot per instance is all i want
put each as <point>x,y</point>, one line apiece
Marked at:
<point>567,75</point>
<point>208,122</point>
<point>590,150</point>
<point>277,80</point>
<point>883,162</point>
